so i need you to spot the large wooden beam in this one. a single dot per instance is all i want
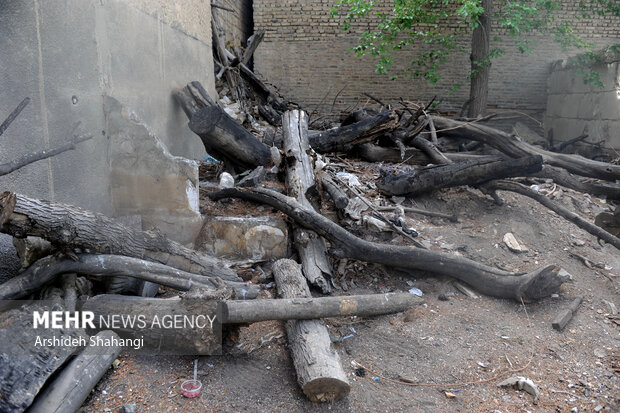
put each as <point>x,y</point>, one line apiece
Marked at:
<point>456,174</point>
<point>299,180</point>
<point>375,153</point>
<point>318,368</point>
<point>69,227</point>
<point>227,140</point>
<point>315,308</point>
<point>165,325</point>
<point>345,137</point>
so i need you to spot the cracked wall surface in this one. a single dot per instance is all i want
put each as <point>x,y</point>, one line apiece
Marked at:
<point>67,56</point>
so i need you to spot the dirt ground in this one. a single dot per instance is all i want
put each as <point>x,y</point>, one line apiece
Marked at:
<point>453,343</point>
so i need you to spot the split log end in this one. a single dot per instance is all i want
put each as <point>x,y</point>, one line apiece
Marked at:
<point>326,389</point>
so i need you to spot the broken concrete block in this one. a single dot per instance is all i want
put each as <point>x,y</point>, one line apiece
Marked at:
<point>244,238</point>
<point>146,179</point>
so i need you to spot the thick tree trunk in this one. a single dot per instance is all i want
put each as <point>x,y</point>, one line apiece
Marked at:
<point>200,337</point>
<point>480,64</point>
<point>345,137</point>
<point>487,280</point>
<point>227,140</point>
<point>48,268</point>
<point>515,148</point>
<point>562,177</point>
<point>74,383</point>
<point>299,180</point>
<point>463,173</point>
<point>555,207</point>
<point>318,368</point>
<point>314,308</point>
<point>375,153</point>
<point>25,367</point>
<point>69,227</point>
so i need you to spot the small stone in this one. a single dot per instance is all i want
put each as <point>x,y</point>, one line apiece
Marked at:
<point>512,243</point>
<point>579,242</point>
<point>612,307</point>
<point>226,180</point>
<point>443,297</point>
<point>128,408</point>
<point>600,353</point>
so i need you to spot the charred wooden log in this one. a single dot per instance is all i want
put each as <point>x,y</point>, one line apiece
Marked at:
<point>24,366</point>
<point>69,227</point>
<point>375,153</point>
<point>562,177</point>
<point>314,308</point>
<point>221,135</point>
<point>299,180</point>
<point>462,173</point>
<point>74,383</point>
<point>262,90</point>
<point>487,280</point>
<point>345,137</point>
<point>318,368</point>
<point>252,45</point>
<point>515,148</point>
<point>199,336</point>
<point>227,140</point>
<point>47,269</point>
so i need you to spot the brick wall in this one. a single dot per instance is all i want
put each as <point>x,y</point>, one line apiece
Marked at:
<point>237,24</point>
<point>304,54</point>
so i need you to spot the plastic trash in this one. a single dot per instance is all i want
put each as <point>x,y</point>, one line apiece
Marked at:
<point>416,291</point>
<point>191,388</point>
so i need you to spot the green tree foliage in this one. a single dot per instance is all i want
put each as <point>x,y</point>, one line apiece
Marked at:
<point>435,27</point>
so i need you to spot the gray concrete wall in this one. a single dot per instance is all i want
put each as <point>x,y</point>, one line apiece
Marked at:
<point>575,108</point>
<point>67,55</point>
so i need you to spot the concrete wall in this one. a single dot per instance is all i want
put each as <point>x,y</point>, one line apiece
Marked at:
<point>67,55</point>
<point>304,54</point>
<point>575,108</point>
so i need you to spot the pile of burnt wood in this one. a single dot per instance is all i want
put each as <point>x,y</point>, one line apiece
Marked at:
<point>74,248</point>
